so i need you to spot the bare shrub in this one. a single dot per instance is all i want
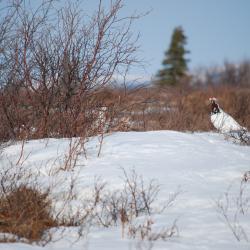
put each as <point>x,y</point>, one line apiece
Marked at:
<point>234,210</point>
<point>76,148</point>
<point>135,199</point>
<point>86,212</point>
<point>145,231</point>
<point>122,207</point>
<point>240,137</point>
<point>141,196</point>
<point>55,65</point>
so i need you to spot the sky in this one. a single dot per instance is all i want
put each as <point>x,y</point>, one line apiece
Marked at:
<point>216,30</point>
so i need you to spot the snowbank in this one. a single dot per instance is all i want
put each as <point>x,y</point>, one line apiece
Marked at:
<point>201,165</point>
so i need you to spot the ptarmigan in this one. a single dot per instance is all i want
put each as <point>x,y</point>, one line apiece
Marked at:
<point>223,121</point>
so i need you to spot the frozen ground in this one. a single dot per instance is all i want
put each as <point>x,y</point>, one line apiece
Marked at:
<point>201,165</point>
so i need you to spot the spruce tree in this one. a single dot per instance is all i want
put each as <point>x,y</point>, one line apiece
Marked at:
<point>174,63</point>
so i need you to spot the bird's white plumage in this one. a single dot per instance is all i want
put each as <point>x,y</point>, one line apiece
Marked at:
<point>225,123</point>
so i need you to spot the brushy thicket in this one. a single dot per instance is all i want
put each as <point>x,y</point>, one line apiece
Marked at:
<point>184,109</point>
<point>143,109</point>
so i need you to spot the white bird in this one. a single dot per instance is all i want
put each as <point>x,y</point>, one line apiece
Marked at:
<point>222,121</point>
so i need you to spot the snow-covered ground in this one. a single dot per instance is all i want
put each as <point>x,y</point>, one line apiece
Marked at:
<point>201,166</point>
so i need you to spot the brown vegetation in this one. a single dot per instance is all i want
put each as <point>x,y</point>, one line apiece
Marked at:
<point>143,109</point>
<point>184,108</point>
<point>26,213</point>
<point>25,208</point>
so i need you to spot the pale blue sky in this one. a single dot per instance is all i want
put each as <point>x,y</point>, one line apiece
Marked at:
<point>217,30</point>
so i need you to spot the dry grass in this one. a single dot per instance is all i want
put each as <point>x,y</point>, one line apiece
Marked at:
<point>26,213</point>
<point>185,109</point>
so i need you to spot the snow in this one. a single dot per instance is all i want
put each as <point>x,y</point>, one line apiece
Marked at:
<point>201,166</point>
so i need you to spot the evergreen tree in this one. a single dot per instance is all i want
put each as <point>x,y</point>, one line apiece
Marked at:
<point>175,63</point>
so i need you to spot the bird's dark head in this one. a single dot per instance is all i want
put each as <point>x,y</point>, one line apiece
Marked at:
<point>214,105</point>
